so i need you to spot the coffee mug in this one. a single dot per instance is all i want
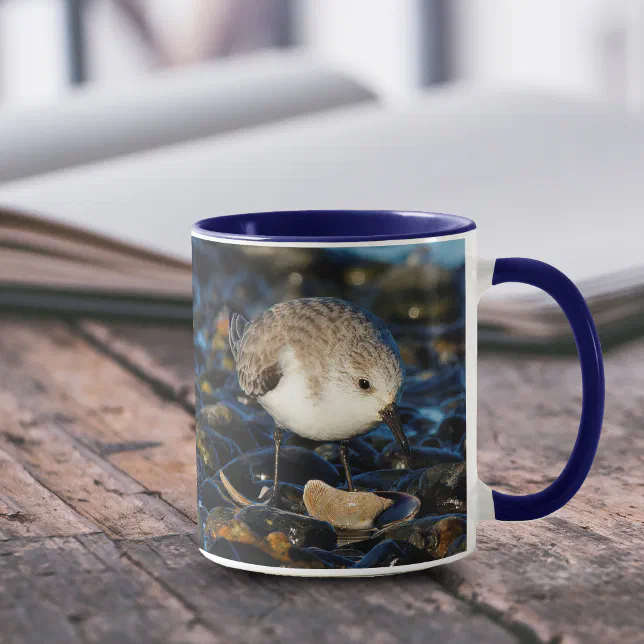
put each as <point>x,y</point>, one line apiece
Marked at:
<point>336,390</point>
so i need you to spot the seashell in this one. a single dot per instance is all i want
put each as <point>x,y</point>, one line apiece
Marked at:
<point>237,498</point>
<point>346,510</point>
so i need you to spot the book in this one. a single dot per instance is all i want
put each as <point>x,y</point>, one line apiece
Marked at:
<point>52,266</point>
<point>547,177</point>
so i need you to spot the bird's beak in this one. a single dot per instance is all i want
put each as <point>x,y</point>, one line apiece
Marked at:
<point>390,415</point>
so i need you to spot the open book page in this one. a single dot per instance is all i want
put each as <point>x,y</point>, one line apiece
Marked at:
<point>544,177</point>
<point>37,253</point>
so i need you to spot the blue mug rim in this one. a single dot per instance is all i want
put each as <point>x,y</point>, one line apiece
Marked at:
<point>330,226</point>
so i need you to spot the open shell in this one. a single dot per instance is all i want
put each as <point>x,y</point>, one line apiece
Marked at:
<point>238,499</point>
<point>345,510</point>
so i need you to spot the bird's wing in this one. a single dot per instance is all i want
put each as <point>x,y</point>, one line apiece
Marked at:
<point>236,327</point>
<point>257,358</point>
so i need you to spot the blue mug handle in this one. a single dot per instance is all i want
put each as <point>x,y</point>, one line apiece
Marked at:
<point>508,507</point>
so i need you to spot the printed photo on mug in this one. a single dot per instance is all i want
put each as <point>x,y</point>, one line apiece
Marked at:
<point>331,400</point>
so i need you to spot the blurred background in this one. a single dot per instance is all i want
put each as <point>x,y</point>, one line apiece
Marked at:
<point>587,48</point>
<point>131,119</point>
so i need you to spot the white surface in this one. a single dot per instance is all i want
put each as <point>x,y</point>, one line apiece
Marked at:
<point>583,47</point>
<point>33,61</point>
<point>557,180</point>
<point>168,107</point>
<point>376,42</point>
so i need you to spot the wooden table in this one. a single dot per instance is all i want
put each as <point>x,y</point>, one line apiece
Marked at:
<point>97,510</point>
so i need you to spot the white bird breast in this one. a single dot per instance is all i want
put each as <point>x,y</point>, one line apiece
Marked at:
<point>335,415</point>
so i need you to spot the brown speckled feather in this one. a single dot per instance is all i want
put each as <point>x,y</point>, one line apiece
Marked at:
<point>309,327</point>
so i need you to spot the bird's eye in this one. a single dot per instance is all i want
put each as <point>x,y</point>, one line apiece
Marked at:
<point>364,384</point>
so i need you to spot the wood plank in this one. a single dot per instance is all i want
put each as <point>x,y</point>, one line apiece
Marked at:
<point>81,589</point>
<point>251,608</point>
<point>35,429</point>
<point>92,487</point>
<point>168,361</point>
<point>27,509</point>
<point>112,412</point>
<point>574,575</point>
<point>577,573</point>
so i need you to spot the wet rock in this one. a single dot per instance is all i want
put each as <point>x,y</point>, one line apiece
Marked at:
<point>201,470</point>
<point>218,517</point>
<point>302,531</point>
<point>212,494</point>
<point>213,379</point>
<point>461,448</point>
<point>452,429</point>
<point>222,548</point>
<point>202,517</point>
<point>328,451</point>
<point>218,415</point>
<point>421,457</point>
<point>402,295</point>
<point>458,545</point>
<point>405,507</point>
<point>250,473</point>
<point>390,553</point>
<point>229,424</point>
<point>379,438</point>
<point>291,497</point>
<point>418,354</point>
<point>215,519</point>
<point>379,480</point>
<point>426,387</point>
<point>281,548</point>
<point>349,553</point>
<point>433,535</point>
<point>431,442</point>
<point>417,426</point>
<point>244,552</point>
<point>443,490</point>
<point>330,559</point>
<point>273,549</point>
<point>214,450</point>
<point>262,434</point>
<point>450,346</point>
<point>362,455</point>
<point>357,547</point>
<point>454,405</point>
<point>407,414</point>
<point>410,483</point>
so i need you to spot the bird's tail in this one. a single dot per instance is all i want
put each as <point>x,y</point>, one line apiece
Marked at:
<point>236,327</point>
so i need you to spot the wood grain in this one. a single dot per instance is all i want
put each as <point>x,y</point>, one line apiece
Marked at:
<point>28,509</point>
<point>111,402</point>
<point>83,589</point>
<point>58,440</point>
<point>580,571</point>
<point>575,575</point>
<point>107,409</point>
<point>161,355</point>
<point>262,608</point>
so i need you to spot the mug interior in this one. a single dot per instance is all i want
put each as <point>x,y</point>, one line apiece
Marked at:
<point>332,226</point>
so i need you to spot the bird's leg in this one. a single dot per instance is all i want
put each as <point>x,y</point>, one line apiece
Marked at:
<point>275,496</point>
<point>344,457</point>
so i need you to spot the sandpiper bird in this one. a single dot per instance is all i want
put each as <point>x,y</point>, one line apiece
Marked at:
<point>323,368</point>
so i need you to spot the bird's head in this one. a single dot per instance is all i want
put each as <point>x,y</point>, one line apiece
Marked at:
<point>371,381</point>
